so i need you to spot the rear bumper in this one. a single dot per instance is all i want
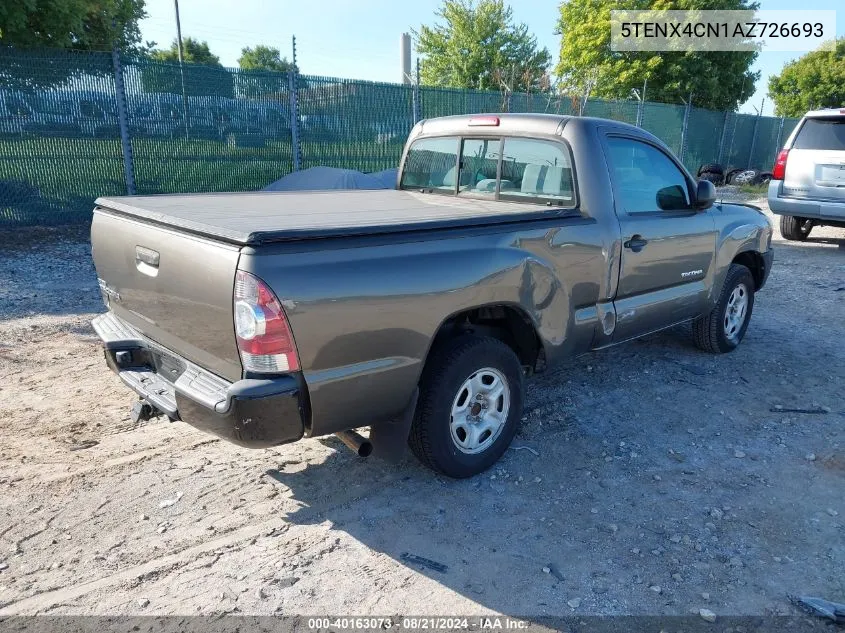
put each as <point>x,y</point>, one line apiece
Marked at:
<point>250,413</point>
<point>804,208</point>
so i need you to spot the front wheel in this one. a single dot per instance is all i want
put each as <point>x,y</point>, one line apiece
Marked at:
<point>724,327</point>
<point>470,404</point>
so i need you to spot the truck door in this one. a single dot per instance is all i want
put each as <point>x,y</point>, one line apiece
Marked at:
<point>668,248</point>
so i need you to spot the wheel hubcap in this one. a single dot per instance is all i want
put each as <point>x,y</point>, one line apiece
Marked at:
<point>480,410</point>
<point>736,311</point>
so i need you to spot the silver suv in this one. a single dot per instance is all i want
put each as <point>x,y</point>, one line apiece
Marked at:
<point>808,179</point>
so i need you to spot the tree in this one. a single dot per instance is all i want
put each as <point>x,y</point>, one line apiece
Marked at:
<point>814,81</point>
<point>717,80</point>
<point>263,58</point>
<point>79,25</point>
<point>263,72</point>
<point>193,51</point>
<point>202,72</point>
<point>85,25</point>
<point>479,46</point>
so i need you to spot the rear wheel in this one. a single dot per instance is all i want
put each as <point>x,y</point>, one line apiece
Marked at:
<point>795,229</point>
<point>469,407</point>
<point>723,329</point>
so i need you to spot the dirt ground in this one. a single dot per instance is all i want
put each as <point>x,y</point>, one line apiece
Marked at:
<point>648,479</point>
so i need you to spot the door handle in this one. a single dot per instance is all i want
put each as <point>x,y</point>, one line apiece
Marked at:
<point>636,243</point>
<point>147,260</point>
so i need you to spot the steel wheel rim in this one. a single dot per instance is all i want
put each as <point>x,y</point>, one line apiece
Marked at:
<point>479,411</point>
<point>736,312</point>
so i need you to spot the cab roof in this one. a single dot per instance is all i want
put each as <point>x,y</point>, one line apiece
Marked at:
<point>497,124</point>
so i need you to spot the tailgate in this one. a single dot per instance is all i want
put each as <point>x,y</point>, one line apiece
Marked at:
<point>174,288</point>
<point>816,164</point>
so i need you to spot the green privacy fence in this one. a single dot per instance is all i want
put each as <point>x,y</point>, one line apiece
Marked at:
<point>74,126</point>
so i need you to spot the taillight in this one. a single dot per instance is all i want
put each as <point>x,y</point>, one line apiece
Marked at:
<point>779,170</point>
<point>264,338</point>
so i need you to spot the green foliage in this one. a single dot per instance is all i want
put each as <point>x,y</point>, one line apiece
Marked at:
<point>814,81</point>
<point>193,51</point>
<point>202,72</point>
<point>261,72</point>
<point>263,58</point>
<point>74,24</point>
<point>717,80</point>
<point>479,46</point>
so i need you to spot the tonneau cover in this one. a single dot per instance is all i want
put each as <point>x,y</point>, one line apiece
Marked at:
<point>258,217</point>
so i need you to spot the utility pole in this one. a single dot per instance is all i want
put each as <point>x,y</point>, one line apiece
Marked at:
<point>181,70</point>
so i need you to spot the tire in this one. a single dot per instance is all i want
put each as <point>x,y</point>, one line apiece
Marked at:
<point>713,168</point>
<point>448,443</point>
<point>716,179</point>
<point>763,177</point>
<point>794,229</point>
<point>729,177</point>
<point>745,176</point>
<point>722,330</point>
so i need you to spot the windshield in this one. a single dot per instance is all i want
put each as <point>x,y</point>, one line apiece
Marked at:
<point>55,106</point>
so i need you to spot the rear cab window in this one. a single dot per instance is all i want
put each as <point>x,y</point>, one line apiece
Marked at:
<point>511,168</point>
<point>821,134</point>
<point>432,163</point>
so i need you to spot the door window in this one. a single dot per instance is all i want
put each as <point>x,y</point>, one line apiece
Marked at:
<point>646,179</point>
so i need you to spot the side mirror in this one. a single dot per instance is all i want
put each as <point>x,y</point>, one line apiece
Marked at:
<point>705,195</point>
<point>672,198</point>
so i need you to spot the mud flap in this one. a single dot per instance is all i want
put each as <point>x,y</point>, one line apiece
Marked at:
<point>390,439</point>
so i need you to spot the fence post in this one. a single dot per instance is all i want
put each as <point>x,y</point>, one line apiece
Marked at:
<point>293,77</point>
<point>684,128</point>
<point>780,133</point>
<point>123,123</point>
<point>754,140</point>
<point>415,96</point>
<point>722,139</point>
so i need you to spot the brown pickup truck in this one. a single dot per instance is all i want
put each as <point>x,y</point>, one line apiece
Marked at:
<point>511,242</point>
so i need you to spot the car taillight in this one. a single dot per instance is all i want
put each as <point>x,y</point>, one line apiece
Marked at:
<point>779,170</point>
<point>264,338</point>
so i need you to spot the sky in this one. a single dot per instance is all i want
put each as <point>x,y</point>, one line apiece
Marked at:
<point>360,39</point>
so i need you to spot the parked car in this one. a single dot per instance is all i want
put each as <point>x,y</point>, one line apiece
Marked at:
<point>513,242</point>
<point>85,113</point>
<point>808,180</point>
<point>15,113</point>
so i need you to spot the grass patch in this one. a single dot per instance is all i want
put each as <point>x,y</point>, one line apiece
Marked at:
<point>755,190</point>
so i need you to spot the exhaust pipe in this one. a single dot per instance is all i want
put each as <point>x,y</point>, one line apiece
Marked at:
<point>356,442</point>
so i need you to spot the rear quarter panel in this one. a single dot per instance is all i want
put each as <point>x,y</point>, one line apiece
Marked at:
<point>364,311</point>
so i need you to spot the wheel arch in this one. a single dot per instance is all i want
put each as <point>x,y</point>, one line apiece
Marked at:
<point>508,322</point>
<point>753,261</point>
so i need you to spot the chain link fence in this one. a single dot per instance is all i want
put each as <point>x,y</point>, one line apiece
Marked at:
<point>74,126</point>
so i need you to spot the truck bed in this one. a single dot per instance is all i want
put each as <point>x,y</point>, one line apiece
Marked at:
<point>259,217</point>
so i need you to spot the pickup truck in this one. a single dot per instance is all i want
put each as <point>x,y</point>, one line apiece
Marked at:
<point>511,242</point>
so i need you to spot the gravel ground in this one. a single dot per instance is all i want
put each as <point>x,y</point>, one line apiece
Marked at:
<point>653,478</point>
